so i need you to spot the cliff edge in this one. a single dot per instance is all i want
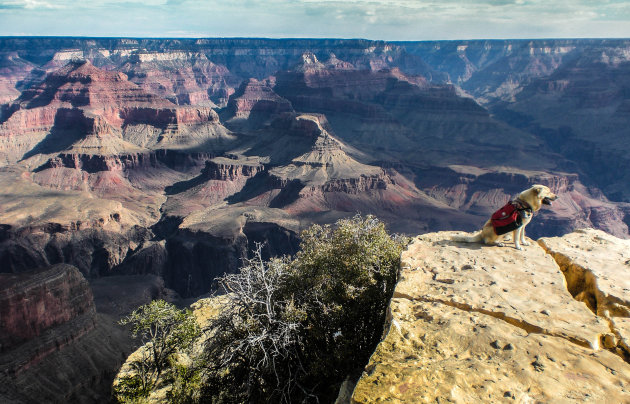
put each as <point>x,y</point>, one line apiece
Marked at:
<point>474,323</point>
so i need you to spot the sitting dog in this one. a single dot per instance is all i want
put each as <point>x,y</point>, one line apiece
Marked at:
<point>514,216</point>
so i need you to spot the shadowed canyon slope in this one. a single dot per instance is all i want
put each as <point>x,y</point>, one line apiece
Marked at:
<point>470,323</point>
<point>163,162</point>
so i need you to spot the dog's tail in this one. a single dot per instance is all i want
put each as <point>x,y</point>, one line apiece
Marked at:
<point>468,239</point>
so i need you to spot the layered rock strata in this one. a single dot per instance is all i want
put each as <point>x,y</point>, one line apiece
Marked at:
<point>478,323</point>
<point>255,104</point>
<point>33,302</point>
<point>181,76</point>
<point>90,111</point>
<point>55,346</point>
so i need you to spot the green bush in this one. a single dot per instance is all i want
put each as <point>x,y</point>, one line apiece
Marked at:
<point>165,330</point>
<point>292,330</point>
<point>185,384</point>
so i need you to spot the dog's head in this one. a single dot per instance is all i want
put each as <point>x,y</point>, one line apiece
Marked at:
<point>537,196</point>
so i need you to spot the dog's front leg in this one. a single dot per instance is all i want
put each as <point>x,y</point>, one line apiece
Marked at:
<point>516,238</point>
<point>523,241</point>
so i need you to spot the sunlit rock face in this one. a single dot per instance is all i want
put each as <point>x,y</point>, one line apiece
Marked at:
<point>470,322</point>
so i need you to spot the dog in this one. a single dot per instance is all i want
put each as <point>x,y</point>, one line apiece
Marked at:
<point>521,210</point>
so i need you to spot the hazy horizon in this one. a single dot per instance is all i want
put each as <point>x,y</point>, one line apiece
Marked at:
<point>388,20</point>
<point>297,38</point>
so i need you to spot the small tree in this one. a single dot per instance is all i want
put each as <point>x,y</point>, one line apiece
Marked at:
<point>344,277</point>
<point>164,330</point>
<point>292,330</point>
<point>256,335</point>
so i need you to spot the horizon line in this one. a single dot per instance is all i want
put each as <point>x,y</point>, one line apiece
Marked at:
<point>307,38</point>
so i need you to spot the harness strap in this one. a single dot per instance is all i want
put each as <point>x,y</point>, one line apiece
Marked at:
<point>522,206</point>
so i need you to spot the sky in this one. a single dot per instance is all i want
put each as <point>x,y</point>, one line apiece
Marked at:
<point>370,19</point>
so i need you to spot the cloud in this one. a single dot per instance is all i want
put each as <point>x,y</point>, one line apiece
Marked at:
<point>31,4</point>
<point>374,19</point>
<point>10,6</point>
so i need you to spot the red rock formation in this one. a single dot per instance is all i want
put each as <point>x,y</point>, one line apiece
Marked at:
<point>81,100</point>
<point>13,70</point>
<point>182,77</point>
<point>224,171</point>
<point>256,102</point>
<point>220,179</point>
<point>33,302</point>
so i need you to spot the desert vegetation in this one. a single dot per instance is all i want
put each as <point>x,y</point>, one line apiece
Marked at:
<point>292,329</point>
<point>165,331</point>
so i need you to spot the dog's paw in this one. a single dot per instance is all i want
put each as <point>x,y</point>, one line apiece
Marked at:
<point>500,244</point>
<point>524,242</point>
<point>518,247</point>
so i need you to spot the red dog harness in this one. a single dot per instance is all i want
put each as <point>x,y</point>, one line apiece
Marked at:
<point>509,217</point>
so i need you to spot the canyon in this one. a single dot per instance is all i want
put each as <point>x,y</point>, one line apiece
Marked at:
<point>159,164</point>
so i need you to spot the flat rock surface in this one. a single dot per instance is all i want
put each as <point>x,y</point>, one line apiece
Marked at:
<point>477,323</point>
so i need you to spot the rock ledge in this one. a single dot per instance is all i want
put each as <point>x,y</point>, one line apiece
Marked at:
<point>476,323</point>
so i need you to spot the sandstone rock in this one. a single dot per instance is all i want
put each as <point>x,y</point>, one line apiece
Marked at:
<point>483,336</point>
<point>596,266</point>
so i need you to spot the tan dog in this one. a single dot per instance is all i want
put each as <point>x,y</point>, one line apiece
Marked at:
<point>532,200</point>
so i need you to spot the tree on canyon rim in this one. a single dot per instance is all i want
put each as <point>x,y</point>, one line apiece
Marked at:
<point>294,329</point>
<point>289,329</point>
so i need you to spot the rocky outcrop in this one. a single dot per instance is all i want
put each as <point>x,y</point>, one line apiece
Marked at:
<point>54,345</point>
<point>91,163</point>
<point>256,103</point>
<point>79,370</point>
<point>33,302</point>
<point>479,323</point>
<point>596,266</point>
<point>52,338</point>
<point>226,169</point>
